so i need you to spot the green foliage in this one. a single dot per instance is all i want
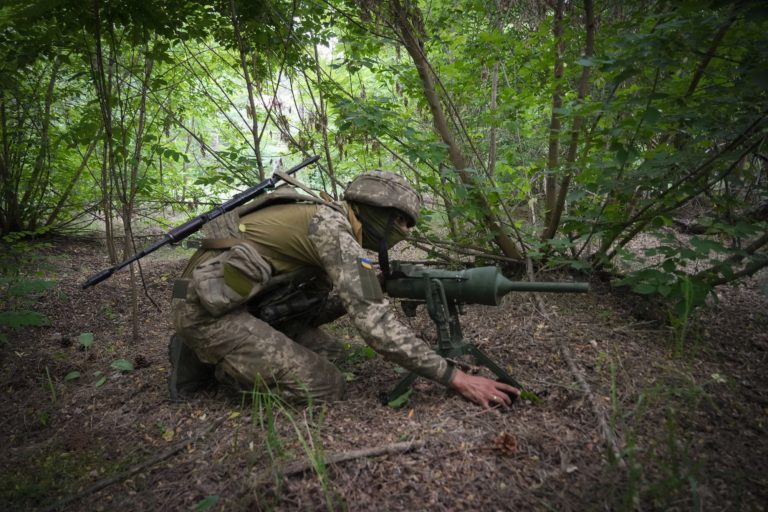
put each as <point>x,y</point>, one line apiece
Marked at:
<point>85,339</point>
<point>18,319</point>
<point>20,287</point>
<point>400,401</point>
<point>670,126</point>
<point>666,472</point>
<point>206,503</point>
<point>268,412</point>
<point>123,365</point>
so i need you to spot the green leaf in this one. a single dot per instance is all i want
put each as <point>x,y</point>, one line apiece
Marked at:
<point>586,61</point>
<point>704,246</point>
<point>367,352</point>
<point>644,288</point>
<point>206,503</point>
<point>123,365</point>
<point>100,382</point>
<point>30,286</point>
<point>86,339</point>
<point>401,400</point>
<point>530,396</point>
<point>23,318</point>
<point>72,375</point>
<point>651,115</point>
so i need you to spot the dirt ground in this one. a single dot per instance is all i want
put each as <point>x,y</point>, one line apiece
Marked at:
<point>620,422</point>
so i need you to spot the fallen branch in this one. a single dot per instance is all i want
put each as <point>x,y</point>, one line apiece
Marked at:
<point>267,476</point>
<point>608,435</point>
<point>129,472</point>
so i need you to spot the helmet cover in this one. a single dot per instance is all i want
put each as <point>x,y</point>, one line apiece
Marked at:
<point>385,189</point>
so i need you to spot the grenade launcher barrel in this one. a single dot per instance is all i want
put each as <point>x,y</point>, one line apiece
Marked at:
<point>480,285</point>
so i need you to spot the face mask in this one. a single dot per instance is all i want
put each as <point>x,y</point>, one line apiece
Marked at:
<point>375,222</point>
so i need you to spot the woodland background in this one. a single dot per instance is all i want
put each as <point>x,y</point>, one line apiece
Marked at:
<point>622,142</point>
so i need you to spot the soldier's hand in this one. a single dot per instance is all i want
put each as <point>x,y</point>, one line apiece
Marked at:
<point>482,391</point>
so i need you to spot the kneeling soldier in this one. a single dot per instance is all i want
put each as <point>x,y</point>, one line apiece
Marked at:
<point>250,302</point>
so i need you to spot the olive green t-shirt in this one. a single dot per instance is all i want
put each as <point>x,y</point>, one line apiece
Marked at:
<point>280,231</point>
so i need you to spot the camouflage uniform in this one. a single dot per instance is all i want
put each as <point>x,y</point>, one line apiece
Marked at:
<point>295,358</point>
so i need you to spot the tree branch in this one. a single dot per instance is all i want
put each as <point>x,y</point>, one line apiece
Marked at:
<point>267,476</point>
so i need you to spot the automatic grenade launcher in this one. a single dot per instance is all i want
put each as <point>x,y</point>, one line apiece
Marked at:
<point>443,292</point>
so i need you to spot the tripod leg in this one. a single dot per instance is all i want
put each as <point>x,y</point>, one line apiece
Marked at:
<point>402,387</point>
<point>486,361</point>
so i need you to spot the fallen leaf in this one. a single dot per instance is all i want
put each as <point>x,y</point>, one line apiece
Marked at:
<point>506,443</point>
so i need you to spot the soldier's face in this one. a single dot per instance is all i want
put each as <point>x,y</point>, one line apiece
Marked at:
<point>402,222</point>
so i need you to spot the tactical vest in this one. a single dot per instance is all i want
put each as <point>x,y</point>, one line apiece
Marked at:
<point>225,231</point>
<point>246,274</point>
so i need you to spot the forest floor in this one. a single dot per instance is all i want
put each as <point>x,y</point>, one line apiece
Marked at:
<point>689,430</point>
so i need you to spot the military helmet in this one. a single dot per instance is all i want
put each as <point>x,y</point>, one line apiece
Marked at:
<point>385,189</point>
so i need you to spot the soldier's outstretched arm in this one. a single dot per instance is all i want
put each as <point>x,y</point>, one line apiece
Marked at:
<point>355,281</point>
<point>358,287</point>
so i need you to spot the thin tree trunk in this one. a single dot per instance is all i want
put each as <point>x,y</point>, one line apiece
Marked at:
<point>414,46</point>
<point>6,183</point>
<point>103,84</point>
<point>494,129</point>
<point>570,159</point>
<point>324,125</point>
<point>553,153</point>
<point>36,182</point>
<point>132,186</point>
<point>249,86</point>
<point>106,204</point>
<point>68,189</point>
<point>449,210</point>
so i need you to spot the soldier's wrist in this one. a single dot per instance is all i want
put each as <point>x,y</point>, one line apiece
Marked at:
<point>447,378</point>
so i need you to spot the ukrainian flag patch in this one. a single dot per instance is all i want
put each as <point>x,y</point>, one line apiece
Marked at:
<point>369,282</point>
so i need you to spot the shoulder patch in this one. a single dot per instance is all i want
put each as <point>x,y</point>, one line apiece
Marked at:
<point>369,281</point>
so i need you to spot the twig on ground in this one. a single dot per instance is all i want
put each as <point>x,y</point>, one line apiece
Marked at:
<point>608,435</point>
<point>266,476</point>
<point>106,482</point>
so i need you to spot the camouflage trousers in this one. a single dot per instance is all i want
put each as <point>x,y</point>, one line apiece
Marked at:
<point>294,361</point>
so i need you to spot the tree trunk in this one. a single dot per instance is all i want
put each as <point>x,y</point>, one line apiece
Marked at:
<point>324,125</point>
<point>102,80</point>
<point>36,181</point>
<point>68,189</point>
<point>249,86</point>
<point>492,142</point>
<point>553,153</point>
<point>557,211</point>
<point>414,46</point>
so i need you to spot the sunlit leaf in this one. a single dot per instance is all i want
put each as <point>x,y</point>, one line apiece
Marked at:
<point>122,364</point>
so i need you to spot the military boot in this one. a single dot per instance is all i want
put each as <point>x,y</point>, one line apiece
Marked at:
<point>188,373</point>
